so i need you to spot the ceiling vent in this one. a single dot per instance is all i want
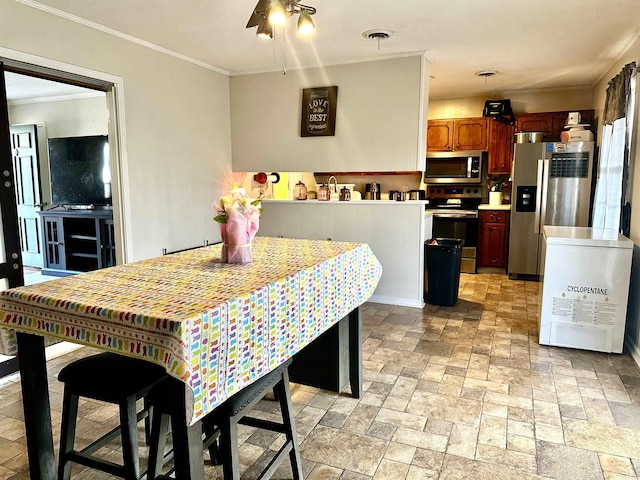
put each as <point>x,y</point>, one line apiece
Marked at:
<point>377,35</point>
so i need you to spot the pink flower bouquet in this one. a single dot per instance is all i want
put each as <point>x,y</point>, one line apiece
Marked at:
<point>239,219</point>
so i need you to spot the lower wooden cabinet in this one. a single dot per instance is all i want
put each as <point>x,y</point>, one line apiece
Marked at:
<point>493,238</point>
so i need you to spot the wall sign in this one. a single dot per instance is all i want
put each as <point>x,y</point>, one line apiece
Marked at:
<point>319,112</point>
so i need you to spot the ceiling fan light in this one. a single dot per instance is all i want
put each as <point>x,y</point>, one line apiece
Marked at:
<point>277,13</point>
<point>305,24</point>
<point>265,30</point>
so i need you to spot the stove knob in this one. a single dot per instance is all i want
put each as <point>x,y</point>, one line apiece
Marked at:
<point>475,190</point>
<point>468,190</point>
<point>438,190</point>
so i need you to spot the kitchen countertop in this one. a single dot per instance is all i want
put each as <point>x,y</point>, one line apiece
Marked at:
<point>351,202</point>
<point>486,206</point>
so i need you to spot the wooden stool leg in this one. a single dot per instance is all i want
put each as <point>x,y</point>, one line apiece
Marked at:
<point>284,398</point>
<point>129,433</point>
<point>157,443</point>
<point>147,421</point>
<point>229,448</point>
<point>187,448</point>
<point>210,430</point>
<point>68,433</point>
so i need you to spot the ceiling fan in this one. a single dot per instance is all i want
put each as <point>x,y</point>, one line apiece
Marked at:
<point>268,13</point>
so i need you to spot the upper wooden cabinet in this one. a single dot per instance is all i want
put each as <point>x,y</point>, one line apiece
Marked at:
<point>500,147</point>
<point>551,124</point>
<point>457,134</point>
<point>440,136</point>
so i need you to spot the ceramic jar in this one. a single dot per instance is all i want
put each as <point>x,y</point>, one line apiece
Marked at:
<point>324,194</point>
<point>300,191</point>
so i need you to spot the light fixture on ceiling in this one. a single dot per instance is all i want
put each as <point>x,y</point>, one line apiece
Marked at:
<point>305,24</point>
<point>269,13</point>
<point>377,35</point>
<point>277,14</point>
<point>265,30</point>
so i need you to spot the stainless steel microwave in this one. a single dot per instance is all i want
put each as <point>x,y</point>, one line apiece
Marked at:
<point>453,167</point>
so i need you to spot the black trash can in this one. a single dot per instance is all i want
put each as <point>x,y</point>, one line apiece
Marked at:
<point>442,266</point>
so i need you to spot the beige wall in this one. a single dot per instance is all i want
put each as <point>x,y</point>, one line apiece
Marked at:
<point>633,314</point>
<point>521,102</point>
<point>177,124</point>
<point>380,121</point>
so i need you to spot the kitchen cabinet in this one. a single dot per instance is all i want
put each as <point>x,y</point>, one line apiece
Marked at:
<point>500,147</point>
<point>551,124</point>
<point>458,134</point>
<point>493,238</point>
<point>77,241</point>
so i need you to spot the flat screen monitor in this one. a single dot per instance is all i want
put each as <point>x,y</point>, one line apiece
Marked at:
<point>80,170</point>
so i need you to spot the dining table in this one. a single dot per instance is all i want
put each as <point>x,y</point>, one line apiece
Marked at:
<point>215,326</point>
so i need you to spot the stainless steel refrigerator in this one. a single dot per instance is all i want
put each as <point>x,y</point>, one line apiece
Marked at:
<point>551,185</point>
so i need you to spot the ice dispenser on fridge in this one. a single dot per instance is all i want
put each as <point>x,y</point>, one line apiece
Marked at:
<point>526,198</point>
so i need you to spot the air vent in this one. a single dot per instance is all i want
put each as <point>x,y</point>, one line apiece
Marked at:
<point>377,34</point>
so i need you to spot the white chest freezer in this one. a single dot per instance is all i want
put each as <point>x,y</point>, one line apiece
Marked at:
<point>585,288</point>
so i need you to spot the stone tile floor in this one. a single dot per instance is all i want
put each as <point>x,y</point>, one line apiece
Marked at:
<point>463,392</point>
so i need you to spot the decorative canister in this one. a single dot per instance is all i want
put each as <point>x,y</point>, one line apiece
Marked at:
<point>324,193</point>
<point>495,198</point>
<point>300,191</point>
<point>345,194</point>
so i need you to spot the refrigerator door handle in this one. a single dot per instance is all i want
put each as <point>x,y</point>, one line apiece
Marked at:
<point>536,218</point>
<point>544,186</point>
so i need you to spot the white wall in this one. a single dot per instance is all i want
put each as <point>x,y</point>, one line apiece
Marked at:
<point>633,313</point>
<point>63,118</point>
<point>380,123</point>
<point>177,126</point>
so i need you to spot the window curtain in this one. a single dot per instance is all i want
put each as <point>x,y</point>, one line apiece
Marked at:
<point>611,208</point>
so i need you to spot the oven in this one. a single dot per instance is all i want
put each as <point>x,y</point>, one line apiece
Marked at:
<point>455,215</point>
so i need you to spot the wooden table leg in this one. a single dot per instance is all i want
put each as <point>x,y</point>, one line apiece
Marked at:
<point>37,411</point>
<point>187,447</point>
<point>355,352</point>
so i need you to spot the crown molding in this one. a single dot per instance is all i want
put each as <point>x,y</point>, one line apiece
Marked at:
<point>117,33</point>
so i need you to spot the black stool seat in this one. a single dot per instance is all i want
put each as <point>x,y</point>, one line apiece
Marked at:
<point>114,379</point>
<point>110,377</point>
<point>222,424</point>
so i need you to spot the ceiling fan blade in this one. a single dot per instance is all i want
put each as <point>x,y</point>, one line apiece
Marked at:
<point>258,13</point>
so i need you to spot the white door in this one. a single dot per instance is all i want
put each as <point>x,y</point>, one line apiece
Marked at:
<point>24,148</point>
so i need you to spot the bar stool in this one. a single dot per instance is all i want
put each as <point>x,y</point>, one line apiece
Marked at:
<point>223,422</point>
<point>110,378</point>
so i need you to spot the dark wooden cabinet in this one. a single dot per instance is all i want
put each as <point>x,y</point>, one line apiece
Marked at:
<point>500,147</point>
<point>461,134</point>
<point>470,134</point>
<point>440,136</point>
<point>77,241</point>
<point>493,238</point>
<point>551,124</point>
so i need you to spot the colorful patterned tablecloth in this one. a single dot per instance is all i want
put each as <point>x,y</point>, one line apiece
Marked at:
<point>216,326</point>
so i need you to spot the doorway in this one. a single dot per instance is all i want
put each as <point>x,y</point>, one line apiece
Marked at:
<point>11,273</point>
<point>41,110</point>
